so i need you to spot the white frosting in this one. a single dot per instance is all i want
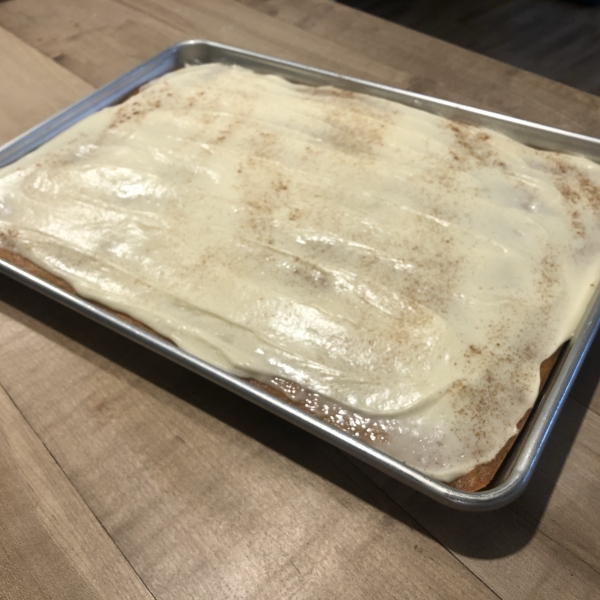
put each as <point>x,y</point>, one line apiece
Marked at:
<point>415,270</point>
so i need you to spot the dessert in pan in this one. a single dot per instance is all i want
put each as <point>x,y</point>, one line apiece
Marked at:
<point>399,275</point>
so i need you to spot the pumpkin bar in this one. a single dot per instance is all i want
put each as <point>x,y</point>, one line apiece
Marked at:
<point>396,274</point>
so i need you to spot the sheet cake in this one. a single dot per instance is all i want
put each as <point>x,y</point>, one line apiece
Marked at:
<point>397,274</point>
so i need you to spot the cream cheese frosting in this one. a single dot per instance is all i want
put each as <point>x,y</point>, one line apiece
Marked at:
<point>408,272</point>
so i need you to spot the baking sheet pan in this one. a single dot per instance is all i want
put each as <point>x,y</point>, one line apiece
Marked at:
<point>516,471</point>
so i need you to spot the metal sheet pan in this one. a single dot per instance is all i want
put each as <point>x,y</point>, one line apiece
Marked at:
<point>517,469</point>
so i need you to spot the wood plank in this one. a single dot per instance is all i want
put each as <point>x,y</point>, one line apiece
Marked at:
<point>566,486</point>
<point>439,68</point>
<point>98,44</point>
<point>52,545</point>
<point>547,540</point>
<point>31,76</point>
<point>72,34</point>
<point>586,389</point>
<point>558,40</point>
<point>204,493</point>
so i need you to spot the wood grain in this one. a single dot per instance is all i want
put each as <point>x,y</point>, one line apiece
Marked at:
<point>547,540</point>
<point>31,76</point>
<point>52,545</point>
<point>558,40</point>
<point>70,33</point>
<point>586,388</point>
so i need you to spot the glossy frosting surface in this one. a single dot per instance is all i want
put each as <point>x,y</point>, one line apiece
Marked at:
<point>417,271</point>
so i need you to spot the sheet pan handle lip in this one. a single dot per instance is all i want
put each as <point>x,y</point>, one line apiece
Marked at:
<point>395,91</point>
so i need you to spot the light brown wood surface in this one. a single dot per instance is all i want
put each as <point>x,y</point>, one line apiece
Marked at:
<point>125,476</point>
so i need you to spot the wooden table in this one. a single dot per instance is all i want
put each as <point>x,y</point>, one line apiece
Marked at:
<point>124,476</point>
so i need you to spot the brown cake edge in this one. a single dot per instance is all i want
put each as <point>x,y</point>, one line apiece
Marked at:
<point>483,474</point>
<point>473,481</point>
